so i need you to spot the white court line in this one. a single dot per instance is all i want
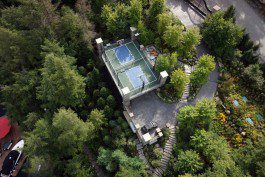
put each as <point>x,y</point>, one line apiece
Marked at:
<point>119,80</point>
<point>142,74</point>
<point>129,51</point>
<point>129,77</point>
<point>136,48</point>
<point>146,63</point>
<point>127,61</point>
<point>111,64</point>
<point>119,46</point>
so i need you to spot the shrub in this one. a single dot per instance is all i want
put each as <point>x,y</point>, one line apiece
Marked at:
<point>179,80</point>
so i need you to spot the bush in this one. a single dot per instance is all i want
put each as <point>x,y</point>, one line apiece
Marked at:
<point>178,80</point>
<point>188,162</point>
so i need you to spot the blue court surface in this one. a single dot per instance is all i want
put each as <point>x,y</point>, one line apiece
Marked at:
<point>123,54</point>
<point>136,76</point>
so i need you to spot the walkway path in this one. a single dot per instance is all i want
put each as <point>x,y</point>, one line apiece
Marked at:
<point>151,108</point>
<point>167,152</point>
<point>246,16</point>
<point>92,160</point>
<point>184,12</point>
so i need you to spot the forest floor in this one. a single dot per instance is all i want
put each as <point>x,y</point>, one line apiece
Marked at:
<point>93,161</point>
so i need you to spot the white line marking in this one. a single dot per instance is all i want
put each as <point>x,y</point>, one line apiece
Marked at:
<point>145,62</point>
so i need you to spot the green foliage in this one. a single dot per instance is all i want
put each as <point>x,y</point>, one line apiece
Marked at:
<point>71,132</point>
<point>116,19</point>
<point>24,90</point>
<point>118,159</point>
<point>191,38</point>
<point>198,78</point>
<point>47,166</point>
<point>111,101</point>
<point>230,13</point>
<point>201,74</point>
<point>249,50</point>
<point>207,62</point>
<point>78,166</point>
<point>135,12</point>
<point>146,36</point>
<point>253,74</point>
<point>157,7</point>
<point>104,92</point>
<point>189,162</point>
<point>61,85</point>
<point>223,168</point>
<point>221,35</point>
<point>212,146</point>
<point>164,20</point>
<point>129,172</point>
<point>97,119</point>
<point>251,157</point>
<point>167,63</point>
<point>198,117</point>
<point>72,36</point>
<point>173,36</point>
<point>179,79</point>
<point>14,54</point>
<point>101,103</point>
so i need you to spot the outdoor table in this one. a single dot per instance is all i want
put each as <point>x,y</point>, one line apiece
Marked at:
<point>158,130</point>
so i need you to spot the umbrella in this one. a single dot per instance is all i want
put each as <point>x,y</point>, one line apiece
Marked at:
<point>4,127</point>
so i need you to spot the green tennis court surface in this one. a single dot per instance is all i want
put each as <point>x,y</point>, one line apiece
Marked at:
<point>130,67</point>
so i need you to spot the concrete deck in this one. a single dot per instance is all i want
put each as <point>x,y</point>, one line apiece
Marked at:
<point>184,12</point>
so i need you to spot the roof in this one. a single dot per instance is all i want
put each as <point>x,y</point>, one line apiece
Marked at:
<point>4,126</point>
<point>9,162</point>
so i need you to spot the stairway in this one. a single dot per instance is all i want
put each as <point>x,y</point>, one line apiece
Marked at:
<point>142,156</point>
<point>166,153</point>
<point>188,70</point>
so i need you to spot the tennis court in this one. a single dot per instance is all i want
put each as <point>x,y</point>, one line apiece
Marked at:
<point>130,68</point>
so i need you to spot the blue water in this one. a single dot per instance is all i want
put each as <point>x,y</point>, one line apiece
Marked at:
<point>123,54</point>
<point>136,76</point>
<point>249,121</point>
<point>236,103</point>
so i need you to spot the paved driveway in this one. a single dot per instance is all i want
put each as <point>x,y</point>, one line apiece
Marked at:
<point>149,107</point>
<point>246,16</point>
<point>184,12</point>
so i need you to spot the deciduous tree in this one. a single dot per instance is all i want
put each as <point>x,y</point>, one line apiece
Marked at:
<point>221,35</point>
<point>188,162</point>
<point>61,85</point>
<point>179,80</point>
<point>191,38</point>
<point>173,36</point>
